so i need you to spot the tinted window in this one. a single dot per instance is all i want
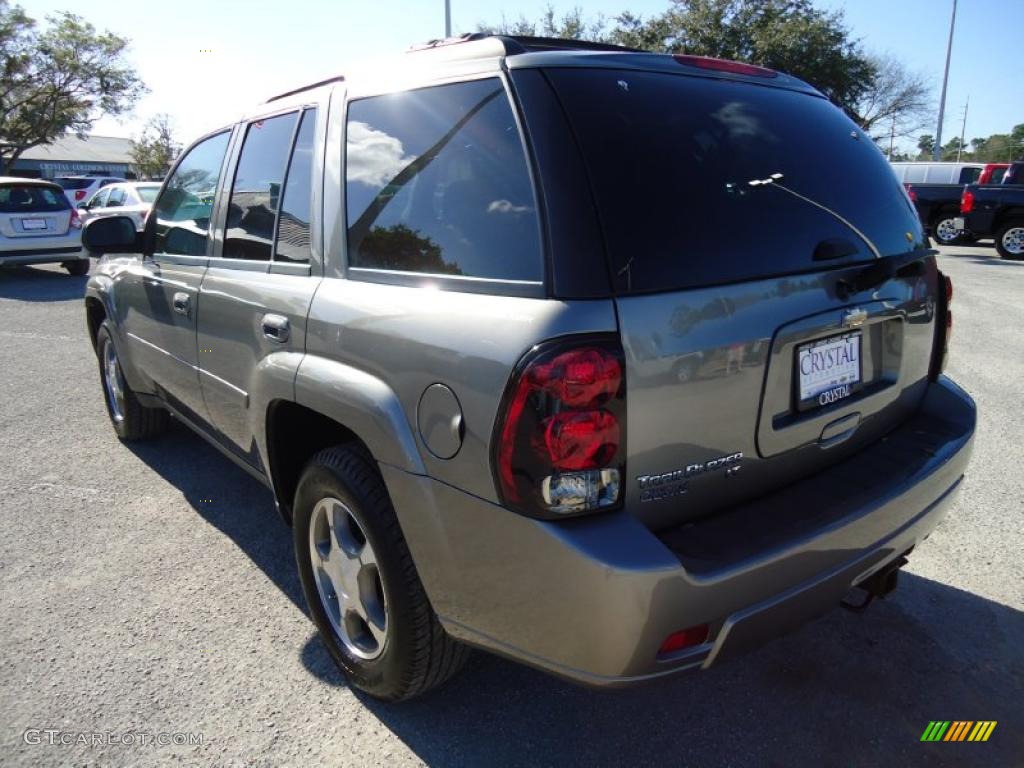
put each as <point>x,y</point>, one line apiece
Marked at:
<point>73,183</point>
<point>293,223</point>
<point>183,211</point>
<point>116,196</point>
<point>997,175</point>
<point>256,191</point>
<point>27,198</point>
<point>436,182</point>
<point>701,181</point>
<point>969,175</point>
<point>147,194</point>
<point>99,200</point>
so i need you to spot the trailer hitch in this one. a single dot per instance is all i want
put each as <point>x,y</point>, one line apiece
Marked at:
<point>881,583</point>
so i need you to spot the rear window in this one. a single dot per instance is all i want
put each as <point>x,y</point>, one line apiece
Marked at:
<point>147,194</point>
<point>72,184</point>
<point>997,176</point>
<point>701,181</point>
<point>969,175</point>
<point>28,198</point>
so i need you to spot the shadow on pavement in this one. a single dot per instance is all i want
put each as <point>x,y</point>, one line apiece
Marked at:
<point>34,284</point>
<point>845,690</point>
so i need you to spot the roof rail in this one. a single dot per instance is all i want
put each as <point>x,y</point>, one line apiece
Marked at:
<point>516,44</point>
<point>311,86</point>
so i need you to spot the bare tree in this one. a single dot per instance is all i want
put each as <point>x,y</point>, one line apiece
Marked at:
<point>897,102</point>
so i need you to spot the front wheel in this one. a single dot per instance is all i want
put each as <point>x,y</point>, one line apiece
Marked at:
<point>130,419</point>
<point>1010,240</point>
<point>360,583</point>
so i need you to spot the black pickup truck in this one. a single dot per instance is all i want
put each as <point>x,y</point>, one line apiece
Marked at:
<point>938,206</point>
<point>997,211</point>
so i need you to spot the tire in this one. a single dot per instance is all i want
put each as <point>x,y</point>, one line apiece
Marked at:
<point>130,419</point>
<point>943,231</point>
<point>405,652</point>
<point>78,267</point>
<point>1010,240</point>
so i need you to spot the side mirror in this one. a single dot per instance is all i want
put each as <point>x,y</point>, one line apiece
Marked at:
<point>114,234</point>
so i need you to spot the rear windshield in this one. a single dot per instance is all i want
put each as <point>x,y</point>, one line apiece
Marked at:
<point>29,198</point>
<point>701,181</point>
<point>147,194</point>
<point>72,183</point>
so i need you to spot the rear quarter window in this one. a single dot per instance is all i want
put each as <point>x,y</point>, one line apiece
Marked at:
<point>701,181</point>
<point>31,199</point>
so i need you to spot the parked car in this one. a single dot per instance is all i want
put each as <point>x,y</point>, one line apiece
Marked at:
<point>80,188</point>
<point>130,198</point>
<point>997,211</point>
<point>938,207</point>
<point>443,344</point>
<point>39,226</point>
<point>938,173</point>
<point>993,173</point>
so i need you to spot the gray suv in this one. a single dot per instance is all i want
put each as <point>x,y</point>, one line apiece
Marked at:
<point>566,352</point>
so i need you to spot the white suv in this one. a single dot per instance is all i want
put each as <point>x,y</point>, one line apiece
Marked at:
<point>78,189</point>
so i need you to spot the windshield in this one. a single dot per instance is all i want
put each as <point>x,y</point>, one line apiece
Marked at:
<point>701,181</point>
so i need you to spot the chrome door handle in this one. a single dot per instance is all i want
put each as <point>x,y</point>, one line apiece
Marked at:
<point>276,328</point>
<point>182,303</point>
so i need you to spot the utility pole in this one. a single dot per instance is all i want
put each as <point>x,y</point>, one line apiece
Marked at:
<point>937,152</point>
<point>963,129</point>
<point>448,21</point>
<point>892,136</point>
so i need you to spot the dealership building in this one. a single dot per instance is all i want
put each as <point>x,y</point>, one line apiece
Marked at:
<point>72,156</point>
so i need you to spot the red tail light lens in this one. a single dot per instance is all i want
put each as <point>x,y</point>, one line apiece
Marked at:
<point>911,193</point>
<point>967,201</point>
<point>684,638</point>
<point>723,65</point>
<point>76,220</point>
<point>559,439</point>
<point>79,194</point>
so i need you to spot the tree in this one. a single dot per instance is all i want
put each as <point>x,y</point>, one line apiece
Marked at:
<point>895,102</point>
<point>572,25</point>
<point>155,148</point>
<point>925,145</point>
<point>788,35</point>
<point>57,80</point>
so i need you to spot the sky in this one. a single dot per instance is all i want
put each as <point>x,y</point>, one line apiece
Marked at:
<point>207,61</point>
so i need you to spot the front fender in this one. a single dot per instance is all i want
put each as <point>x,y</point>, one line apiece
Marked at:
<point>362,403</point>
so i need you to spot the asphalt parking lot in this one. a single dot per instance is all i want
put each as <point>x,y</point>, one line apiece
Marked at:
<point>151,590</point>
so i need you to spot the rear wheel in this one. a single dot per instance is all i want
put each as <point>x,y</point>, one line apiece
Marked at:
<point>78,267</point>
<point>1010,240</point>
<point>360,583</point>
<point>946,233</point>
<point>130,419</point>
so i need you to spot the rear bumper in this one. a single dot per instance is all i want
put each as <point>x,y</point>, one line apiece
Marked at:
<point>69,249</point>
<point>593,599</point>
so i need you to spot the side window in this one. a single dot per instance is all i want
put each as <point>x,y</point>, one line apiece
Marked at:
<point>293,223</point>
<point>436,182</point>
<point>969,175</point>
<point>116,197</point>
<point>182,212</point>
<point>256,191</point>
<point>99,200</point>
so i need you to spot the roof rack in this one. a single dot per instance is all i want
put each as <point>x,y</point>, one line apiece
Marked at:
<point>311,86</point>
<point>516,44</point>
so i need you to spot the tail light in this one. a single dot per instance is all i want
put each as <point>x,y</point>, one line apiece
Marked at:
<point>560,436</point>
<point>911,193</point>
<point>943,326</point>
<point>723,65</point>
<point>79,194</point>
<point>76,220</point>
<point>967,201</point>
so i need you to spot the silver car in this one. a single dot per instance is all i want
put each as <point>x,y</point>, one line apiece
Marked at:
<point>562,351</point>
<point>131,198</point>
<point>39,226</point>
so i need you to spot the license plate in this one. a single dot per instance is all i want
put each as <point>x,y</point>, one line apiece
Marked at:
<point>828,370</point>
<point>33,223</point>
<point>959,223</point>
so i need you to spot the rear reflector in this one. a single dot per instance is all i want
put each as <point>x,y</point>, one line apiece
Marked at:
<point>684,638</point>
<point>723,65</point>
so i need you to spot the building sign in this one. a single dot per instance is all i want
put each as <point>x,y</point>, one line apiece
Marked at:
<point>49,170</point>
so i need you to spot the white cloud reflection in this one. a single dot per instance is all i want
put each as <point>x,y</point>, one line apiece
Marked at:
<point>374,157</point>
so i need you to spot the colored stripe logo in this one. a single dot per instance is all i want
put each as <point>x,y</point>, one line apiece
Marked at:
<point>958,730</point>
